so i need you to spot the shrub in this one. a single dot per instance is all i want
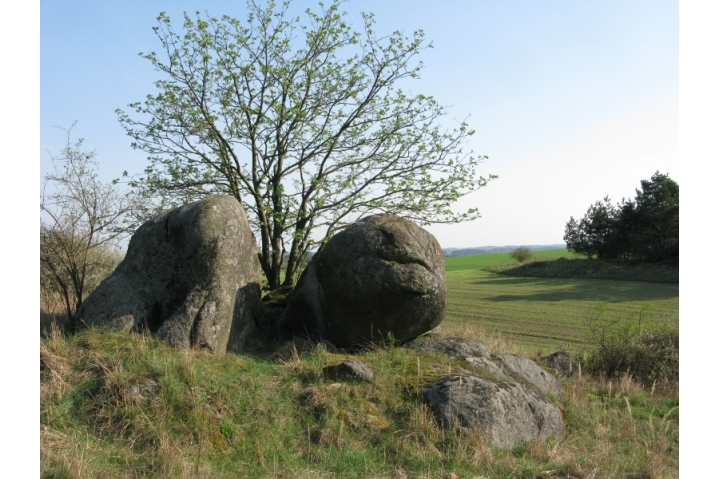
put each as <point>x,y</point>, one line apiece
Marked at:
<point>521,254</point>
<point>634,344</point>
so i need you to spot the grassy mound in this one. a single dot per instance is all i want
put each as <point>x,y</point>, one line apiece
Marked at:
<point>127,405</point>
<point>584,268</point>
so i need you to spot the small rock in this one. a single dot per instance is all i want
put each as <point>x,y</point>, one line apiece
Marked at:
<point>365,420</point>
<point>562,363</point>
<point>142,390</point>
<point>352,369</point>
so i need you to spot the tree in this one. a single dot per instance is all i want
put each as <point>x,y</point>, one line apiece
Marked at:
<point>596,233</point>
<point>643,229</point>
<point>657,213</point>
<point>521,254</point>
<point>81,222</point>
<point>304,123</point>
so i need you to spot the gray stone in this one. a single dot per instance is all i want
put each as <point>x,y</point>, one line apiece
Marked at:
<point>191,276</point>
<point>352,369</point>
<point>459,348</point>
<point>143,390</point>
<point>381,276</point>
<point>507,414</point>
<point>562,363</point>
<point>487,365</point>
<point>527,370</point>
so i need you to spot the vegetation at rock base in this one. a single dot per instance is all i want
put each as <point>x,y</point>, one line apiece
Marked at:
<point>303,120</point>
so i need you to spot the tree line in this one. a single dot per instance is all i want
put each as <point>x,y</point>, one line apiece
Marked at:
<point>645,228</point>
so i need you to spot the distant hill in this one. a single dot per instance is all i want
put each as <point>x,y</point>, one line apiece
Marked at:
<point>499,249</point>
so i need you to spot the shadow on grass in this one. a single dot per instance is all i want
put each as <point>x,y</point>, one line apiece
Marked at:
<point>551,289</point>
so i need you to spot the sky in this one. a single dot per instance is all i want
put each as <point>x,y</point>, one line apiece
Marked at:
<point>571,101</point>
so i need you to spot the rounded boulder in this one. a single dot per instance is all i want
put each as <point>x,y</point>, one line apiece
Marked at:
<point>382,276</point>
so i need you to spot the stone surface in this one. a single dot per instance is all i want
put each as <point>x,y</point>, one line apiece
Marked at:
<point>363,419</point>
<point>191,276</point>
<point>562,363</point>
<point>459,348</point>
<point>143,390</point>
<point>352,369</point>
<point>527,370</point>
<point>382,275</point>
<point>507,414</point>
<point>487,365</point>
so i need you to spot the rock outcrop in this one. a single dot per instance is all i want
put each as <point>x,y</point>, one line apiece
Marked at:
<point>507,414</point>
<point>191,276</point>
<point>381,276</point>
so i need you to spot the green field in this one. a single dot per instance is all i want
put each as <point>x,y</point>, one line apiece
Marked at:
<point>544,314</point>
<point>479,261</point>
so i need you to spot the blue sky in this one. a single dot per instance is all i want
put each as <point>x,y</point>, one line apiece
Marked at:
<point>570,100</point>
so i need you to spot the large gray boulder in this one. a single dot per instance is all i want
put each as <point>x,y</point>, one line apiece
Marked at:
<point>507,414</point>
<point>381,275</point>
<point>191,276</point>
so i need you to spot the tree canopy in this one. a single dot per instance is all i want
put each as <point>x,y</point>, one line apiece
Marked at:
<point>644,229</point>
<point>305,123</point>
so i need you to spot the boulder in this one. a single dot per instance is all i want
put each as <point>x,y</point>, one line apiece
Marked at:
<point>527,370</point>
<point>459,348</point>
<point>562,363</point>
<point>191,277</point>
<point>382,275</point>
<point>507,414</point>
<point>352,369</point>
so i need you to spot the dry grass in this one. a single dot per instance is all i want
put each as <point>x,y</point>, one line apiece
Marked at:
<point>252,416</point>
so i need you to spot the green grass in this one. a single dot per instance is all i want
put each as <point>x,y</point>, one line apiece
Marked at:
<point>544,314</point>
<point>480,261</point>
<point>247,416</point>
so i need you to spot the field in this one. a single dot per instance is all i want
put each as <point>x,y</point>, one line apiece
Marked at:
<point>545,314</point>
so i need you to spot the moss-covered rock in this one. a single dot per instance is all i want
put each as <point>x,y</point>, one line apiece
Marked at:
<point>382,276</point>
<point>191,276</point>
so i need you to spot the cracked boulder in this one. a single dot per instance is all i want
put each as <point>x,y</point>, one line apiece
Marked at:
<point>191,277</point>
<point>506,413</point>
<point>381,276</point>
